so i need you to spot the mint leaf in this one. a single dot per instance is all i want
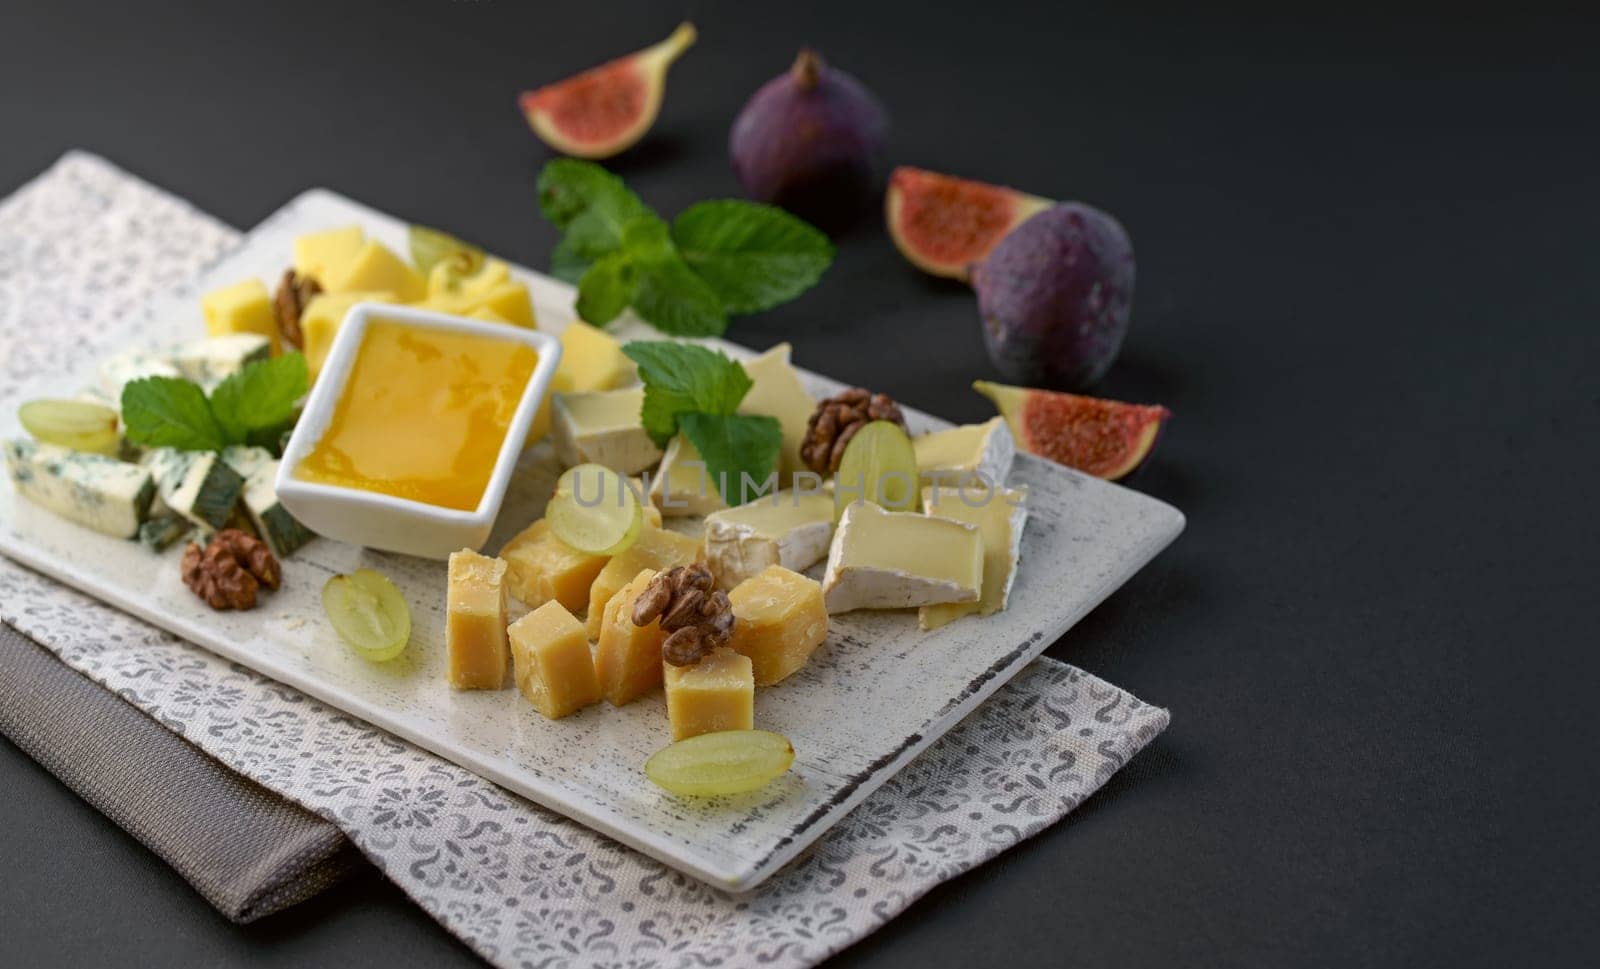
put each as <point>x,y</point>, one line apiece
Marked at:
<point>260,397</point>
<point>682,378</point>
<point>169,412</point>
<point>740,451</point>
<point>669,296</point>
<point>590,205</point>
<point>752,256</point>
<point>606,289</point>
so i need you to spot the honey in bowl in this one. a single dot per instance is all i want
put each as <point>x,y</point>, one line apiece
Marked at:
<point>423,415</point>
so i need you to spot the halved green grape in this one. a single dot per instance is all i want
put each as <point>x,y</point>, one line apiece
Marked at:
<point>369,613</point>
<point>727,762</point>
<point>878,465</point>
<point>77,424</point>
<point>429,247</point>
<point>595,510</point>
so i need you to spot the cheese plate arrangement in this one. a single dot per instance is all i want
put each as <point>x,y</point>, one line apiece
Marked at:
<point>425,492</point>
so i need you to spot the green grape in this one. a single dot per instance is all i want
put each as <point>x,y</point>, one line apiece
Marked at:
<point>77,424</point>
<point>429,247</point>
<point>878,465</point>
<point>728,762</point>
<point>594,510</point>
<point>369,613</point>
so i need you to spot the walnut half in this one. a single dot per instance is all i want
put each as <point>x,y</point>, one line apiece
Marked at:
<point>229,570</point>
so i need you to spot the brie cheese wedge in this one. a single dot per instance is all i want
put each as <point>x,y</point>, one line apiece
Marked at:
<point>602,427</point>
<point>974,455</point>
<point>683,485</point>
<point>788,528</point>
<point>776,391</point>
<point>900,559</point>
<point>1000,516</point>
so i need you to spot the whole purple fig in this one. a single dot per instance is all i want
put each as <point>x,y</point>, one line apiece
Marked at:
<point>1055,296</point>
<point>811,140</point>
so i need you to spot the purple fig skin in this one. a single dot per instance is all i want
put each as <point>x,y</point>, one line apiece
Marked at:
<point>1055,297</point>
<point>811,140</point>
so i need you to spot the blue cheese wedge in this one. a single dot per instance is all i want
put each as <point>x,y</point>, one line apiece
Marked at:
<point>1000,514</point>
<point>272,521</point>
<point>789,528</point>
<point>124,368</point>
<point>603,427</point>
<point>971,455</point>
<point>901,559</point>
<point>160,531</point>
<point>102,493</point>
<point>210,361</point>
<point>195,484</point>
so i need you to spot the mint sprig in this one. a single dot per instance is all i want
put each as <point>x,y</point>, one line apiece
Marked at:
<point>717,258</point>
<point>695,391</point>
<point>252,406</point>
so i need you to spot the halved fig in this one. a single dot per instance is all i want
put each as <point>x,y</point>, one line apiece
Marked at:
<point>945,224</point>
<point>607,109</point>
<point>1105,438</point>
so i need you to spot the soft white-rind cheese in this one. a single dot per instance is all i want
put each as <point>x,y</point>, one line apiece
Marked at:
<point>897,560</point>
<point>1001,517</point>
<point>788,528</point>
<point>973,455</point>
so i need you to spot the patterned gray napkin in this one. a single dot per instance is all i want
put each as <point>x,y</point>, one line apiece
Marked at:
<point>521,885</point>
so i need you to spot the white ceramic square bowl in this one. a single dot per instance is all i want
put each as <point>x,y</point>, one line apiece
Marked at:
<point>386,522</point>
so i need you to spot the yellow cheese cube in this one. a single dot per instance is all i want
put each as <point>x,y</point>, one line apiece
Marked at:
<point>652,514</point>
<point>319,323</point>
<point>779,621</point>
<point>656,548</point>
<point>718,693</point>
<point>475,625</point>
<point>244,307</point>
<point>487,315</point>
<point>541,568</point>
<point>320,253</point>
<point>554,667</point>
<point>593,359</point>
<point>628,658</point>
<point>374,266</point>
<point>510,300</point>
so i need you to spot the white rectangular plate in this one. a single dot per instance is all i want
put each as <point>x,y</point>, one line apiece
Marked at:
<point>873,696</point>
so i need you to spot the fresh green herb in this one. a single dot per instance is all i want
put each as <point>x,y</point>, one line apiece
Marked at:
<point>695,391</point>
<point>169,412</point>
<point>429,247</point>
<point>717,258</point>
<point>252,406</point>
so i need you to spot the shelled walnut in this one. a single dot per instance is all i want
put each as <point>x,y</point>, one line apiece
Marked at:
<point>696,615</point>
<point>837,419</point>
<point>295,292</point>
<point>228,571</point>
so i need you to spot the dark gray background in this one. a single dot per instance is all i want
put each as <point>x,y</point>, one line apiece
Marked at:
<point>1366,289</point>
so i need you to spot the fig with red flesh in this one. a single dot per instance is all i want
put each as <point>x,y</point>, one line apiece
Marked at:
<point>1105,438</point>
<point>606,110</point>
<point>812,141</point>
<point>945,225</point>
<point>1055,297</point>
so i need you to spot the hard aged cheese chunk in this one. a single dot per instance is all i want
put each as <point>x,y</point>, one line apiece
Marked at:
<point>198,485</point>
<point>718,693</point>
<point>209,362</point>
<point>475,628</point>
<point>779,621</point>
<point>790,528</point>
<point>593,359</point>
<point>244,307</point>
<point>101,493</point>
<point>375,267</point>
<point>319,324</point>
<point>541,568</point>
<point>319,253</point>
<point>898,559</point>
<point>511,301</point>
<point>602,427</point>
<point>1000,516</point>
<point>272,521</point>
<point>554,668</point>
<point>627,658</point>
<point>560,383</point>
<point>682,486</point>
<point>656,548</point>
<point>118,371</point>
<point>778,392</point>
<point>973,454</point>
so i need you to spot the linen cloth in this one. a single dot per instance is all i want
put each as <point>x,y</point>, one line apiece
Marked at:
<point>86,244</point>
